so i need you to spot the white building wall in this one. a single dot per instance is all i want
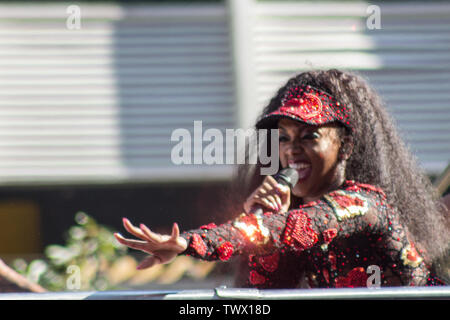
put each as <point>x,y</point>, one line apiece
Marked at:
<point>99,104</point>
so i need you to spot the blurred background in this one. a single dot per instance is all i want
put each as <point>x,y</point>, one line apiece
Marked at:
<point>90,93</point>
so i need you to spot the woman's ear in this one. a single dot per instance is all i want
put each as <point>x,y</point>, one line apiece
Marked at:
<point>346,149</point>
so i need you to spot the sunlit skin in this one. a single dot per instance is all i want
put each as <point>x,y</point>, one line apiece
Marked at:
<point>314,151</point>
<point>161,248</point>
<point>317,149</point>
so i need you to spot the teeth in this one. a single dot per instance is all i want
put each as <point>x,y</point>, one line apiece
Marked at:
<point>299,166</point>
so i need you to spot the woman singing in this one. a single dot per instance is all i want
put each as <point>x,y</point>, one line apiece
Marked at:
<point>360,204</point>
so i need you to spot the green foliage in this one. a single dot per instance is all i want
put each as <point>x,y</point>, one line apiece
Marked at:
<point>89,246</point>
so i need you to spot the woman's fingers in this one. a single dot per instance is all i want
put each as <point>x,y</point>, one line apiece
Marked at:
<point>283,190</point>
<point>162,248</point>
<point>175,231</point>
<point>165,242</point>
<point>267,187</point>
<point>280,188</point>
<point>151,236</point>
<point>263,195</point>
<point>271,195</point>
<point>148,262</point>
<point>284,194</point>
<point>274,202</point>
<point>265,203</point>
<point>275,193</point>
<point>278,201</point>
<point>271,180</point>
<point>135,231</point>
<point>135,244</point>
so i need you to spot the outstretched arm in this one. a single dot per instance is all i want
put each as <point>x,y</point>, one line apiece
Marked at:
<point>256,233</point>
<point>211,242</point>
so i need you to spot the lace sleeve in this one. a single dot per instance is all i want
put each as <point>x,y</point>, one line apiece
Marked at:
<point>249,233</point>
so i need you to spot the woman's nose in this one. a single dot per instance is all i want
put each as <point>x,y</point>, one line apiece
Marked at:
<point>295,147</point>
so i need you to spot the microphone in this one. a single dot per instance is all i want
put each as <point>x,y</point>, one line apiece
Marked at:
<point>287,177</point>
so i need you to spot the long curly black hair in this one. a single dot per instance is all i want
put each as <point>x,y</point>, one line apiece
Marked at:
<point>379,157</point>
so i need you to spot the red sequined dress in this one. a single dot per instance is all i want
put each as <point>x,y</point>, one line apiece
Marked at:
<point>340,240</point>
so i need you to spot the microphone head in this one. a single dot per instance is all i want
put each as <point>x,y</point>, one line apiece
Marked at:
<point>287,177</point>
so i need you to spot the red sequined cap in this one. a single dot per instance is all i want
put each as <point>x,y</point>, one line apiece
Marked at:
<point>309,105</point>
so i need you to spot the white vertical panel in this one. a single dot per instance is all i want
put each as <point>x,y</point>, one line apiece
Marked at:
<point>242,32</point>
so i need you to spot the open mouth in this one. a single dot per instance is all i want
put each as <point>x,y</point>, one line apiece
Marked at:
<point>303,168</point>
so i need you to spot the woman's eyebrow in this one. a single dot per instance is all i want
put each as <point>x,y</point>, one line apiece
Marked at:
<point>307,128</point>
<point>282,129</point>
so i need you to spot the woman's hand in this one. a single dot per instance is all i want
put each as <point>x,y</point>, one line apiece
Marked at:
<point>162,248</point>
<point>271,195</point>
